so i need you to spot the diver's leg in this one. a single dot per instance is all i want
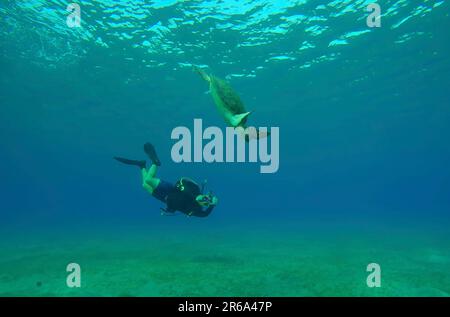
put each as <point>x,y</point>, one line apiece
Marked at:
<point>146,186</point>
<point>151,184</point>
<point>149,181</point>
<point>144,174</point>
<point>152,171</point>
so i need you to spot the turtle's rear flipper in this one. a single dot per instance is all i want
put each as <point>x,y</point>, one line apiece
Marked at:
<point>239,119</point>
<point>202,73</point>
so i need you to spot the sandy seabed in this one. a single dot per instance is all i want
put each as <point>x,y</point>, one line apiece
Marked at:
<point>238,260</point>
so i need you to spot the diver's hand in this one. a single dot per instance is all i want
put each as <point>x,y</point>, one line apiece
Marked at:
<point>214,201</point>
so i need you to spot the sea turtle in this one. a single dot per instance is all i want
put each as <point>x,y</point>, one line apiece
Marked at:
<point>226,99</point>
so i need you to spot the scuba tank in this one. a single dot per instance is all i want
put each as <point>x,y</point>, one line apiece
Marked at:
<point>189,187</point>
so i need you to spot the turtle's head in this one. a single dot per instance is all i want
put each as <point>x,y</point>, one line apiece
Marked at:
<point>201,72</point>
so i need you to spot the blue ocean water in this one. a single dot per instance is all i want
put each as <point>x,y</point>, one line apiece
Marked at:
<point>363,115</point>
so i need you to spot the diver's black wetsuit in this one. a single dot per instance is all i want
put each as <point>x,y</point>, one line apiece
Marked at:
<point>176,200</point>
<point>181,196</point>
<point>186,204</point>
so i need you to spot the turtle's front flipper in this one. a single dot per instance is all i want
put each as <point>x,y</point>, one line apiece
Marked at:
<point>239,119</point>
<point>261,134</point>
<point>202,73</point>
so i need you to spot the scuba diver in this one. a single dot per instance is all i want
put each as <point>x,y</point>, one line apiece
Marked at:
<point>185,196</point>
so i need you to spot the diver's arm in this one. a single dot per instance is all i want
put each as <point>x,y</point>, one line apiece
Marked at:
<point>202,213</point>
<point>165,211</point>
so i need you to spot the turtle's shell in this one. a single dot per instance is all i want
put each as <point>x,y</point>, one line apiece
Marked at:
<point>228,96</point>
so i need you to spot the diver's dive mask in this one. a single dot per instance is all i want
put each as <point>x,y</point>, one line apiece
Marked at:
<point>204,200</point>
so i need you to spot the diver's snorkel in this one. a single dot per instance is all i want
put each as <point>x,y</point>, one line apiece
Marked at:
<point>203,186</point>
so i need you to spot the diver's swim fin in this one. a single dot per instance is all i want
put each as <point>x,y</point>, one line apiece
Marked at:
<point>150,150</point>
<point>140,164</point>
